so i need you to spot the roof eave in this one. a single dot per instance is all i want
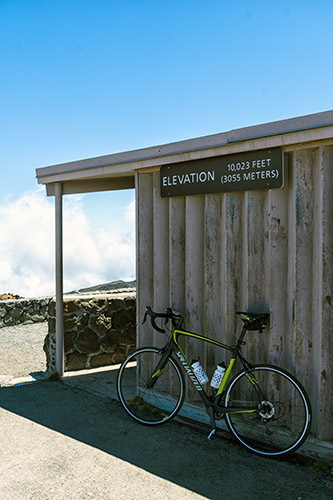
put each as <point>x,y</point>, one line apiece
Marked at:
<point>284,133</point>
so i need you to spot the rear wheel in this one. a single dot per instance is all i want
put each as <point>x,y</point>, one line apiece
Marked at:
<point>148,402</point>
<point>279,412</point>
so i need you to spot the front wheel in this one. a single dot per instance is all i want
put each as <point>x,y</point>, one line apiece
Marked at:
<point>277,412</point>
<point>149,395</point>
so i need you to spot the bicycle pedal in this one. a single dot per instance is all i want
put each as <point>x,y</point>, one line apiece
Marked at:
<point>211,434</point>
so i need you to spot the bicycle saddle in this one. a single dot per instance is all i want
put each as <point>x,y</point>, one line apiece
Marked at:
<point>254,321</point>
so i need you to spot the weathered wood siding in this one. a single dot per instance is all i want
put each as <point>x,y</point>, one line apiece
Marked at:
<point>209,256</point>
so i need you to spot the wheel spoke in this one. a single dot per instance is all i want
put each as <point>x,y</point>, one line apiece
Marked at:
<point>152,403</point>
<point>282,421</point>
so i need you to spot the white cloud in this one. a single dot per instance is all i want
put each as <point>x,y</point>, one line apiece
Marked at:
<point>130,212</point>
<point>92,255</point>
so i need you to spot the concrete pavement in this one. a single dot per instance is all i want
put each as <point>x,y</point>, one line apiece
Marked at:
<point>71,440</point>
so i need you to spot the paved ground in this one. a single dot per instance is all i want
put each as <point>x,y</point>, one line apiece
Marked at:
<point>21,349</point>
<point>60,442</point>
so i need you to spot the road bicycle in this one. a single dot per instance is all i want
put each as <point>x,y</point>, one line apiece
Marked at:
<point>264,406</point>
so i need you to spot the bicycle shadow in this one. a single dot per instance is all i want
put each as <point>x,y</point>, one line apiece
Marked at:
<point>173,452</point>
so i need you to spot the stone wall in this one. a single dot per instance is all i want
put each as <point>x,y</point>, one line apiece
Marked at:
<point>98,331</point>
<point>26,311</point>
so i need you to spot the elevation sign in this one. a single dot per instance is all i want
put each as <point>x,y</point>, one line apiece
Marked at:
<point>250,171</point>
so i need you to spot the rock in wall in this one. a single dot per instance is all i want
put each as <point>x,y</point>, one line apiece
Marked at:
<point>15,312</point>
<point>98,331</point>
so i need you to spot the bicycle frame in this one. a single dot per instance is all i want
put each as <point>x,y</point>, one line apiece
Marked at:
<point>211,403</point>
<point>265,407</point>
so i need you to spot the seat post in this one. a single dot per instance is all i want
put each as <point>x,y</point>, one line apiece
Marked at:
<point>240,339</point>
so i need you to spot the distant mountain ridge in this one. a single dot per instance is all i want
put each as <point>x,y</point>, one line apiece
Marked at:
<point>113,286</point>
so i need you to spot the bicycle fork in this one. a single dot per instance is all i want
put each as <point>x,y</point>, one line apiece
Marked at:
<point>159,369</point>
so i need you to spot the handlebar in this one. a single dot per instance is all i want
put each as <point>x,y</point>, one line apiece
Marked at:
<point>174,316</point>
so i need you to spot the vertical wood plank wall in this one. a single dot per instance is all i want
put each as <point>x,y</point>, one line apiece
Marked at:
<point>272,251</point>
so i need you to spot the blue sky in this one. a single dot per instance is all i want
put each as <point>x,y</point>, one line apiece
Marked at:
<point>83,78</point>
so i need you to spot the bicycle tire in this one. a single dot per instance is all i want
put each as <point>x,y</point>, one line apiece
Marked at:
<point>158,404</point>
<point>282,419</point>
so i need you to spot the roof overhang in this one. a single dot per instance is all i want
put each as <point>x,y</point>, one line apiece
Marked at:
<point>117,171</point>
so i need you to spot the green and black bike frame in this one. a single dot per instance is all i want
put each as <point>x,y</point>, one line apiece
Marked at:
<point>212,403</point>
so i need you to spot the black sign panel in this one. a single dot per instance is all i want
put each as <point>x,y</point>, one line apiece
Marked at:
<point>262,169</point>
